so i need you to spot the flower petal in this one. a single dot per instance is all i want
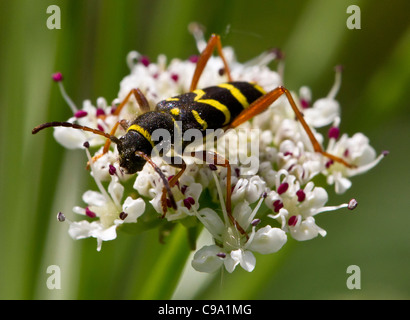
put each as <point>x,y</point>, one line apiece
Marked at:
<point>323,112</point>
<point>94,198</point>
<point>306,230</point>
<point>69,138</point>
<point>81,229</point>
<point>268,240</point>
<point>206,259</point>
<point>115,189</point>
<point>84,229</point>
<point>212,221</point>
<point>134,209</point>
<point>246,259</point>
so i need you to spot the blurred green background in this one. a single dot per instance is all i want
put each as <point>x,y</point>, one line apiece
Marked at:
<point>39,178</point>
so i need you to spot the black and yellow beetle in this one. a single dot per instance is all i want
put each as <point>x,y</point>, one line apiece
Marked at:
<point>225,105</point>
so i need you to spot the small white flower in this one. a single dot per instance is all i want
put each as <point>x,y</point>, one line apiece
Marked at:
<point>355,151</point>
<point>90,116</point>
<point>109,211</point>
<point>322,113</point>
<point>107,165</point>
<point>233,247</point>
<point>107,207</point>
<point>296,160</point>
<point>186,192</point>
<point>84,229</point>
<point>186,201</point>
<point>233,250</point>
<point>295,207</point>
<point>248,190</point>
<point>325,110</point>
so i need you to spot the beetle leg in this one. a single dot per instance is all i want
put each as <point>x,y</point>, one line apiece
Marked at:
<point>172,182</point>
<point>139,96</point>
<point>216,159</point>
<point>214,41</point>
<point>265,101</point>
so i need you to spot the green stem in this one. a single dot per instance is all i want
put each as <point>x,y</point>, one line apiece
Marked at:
<point>164,275</point>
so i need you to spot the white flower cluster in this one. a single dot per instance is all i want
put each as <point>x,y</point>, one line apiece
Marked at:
<point>277,201</point>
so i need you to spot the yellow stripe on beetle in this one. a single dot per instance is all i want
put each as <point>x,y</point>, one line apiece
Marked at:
<point>236,93</point>
<point>214,103</point>
<point>259,88</point>
<point>199,94</point>
<point>198,119</point>
<point>175,111</point>
<point>142,131</point>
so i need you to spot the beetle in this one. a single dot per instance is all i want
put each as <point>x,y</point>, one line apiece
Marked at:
<point>224,106</point>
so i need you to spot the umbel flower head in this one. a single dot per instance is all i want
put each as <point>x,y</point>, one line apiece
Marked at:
<point>272,192</point>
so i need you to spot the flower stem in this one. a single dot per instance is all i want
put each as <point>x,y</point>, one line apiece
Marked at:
<point>164,275</point>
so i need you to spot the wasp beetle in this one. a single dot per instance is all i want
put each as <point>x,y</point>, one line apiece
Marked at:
<point>224,106</point>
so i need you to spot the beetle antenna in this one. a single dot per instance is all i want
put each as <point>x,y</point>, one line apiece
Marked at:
<point>75,126</point>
